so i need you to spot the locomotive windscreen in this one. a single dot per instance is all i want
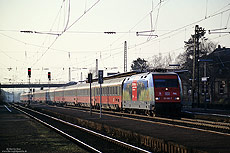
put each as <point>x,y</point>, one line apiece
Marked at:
<point>165,81</point>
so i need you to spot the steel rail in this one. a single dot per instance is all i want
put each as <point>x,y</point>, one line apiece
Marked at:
<point>208,122</point>
<point>198,113</point>
<point>7,108</point>
<point>132,147</point>
<point>60,131</point>
<point>196,122</point>
<point>168,121</point>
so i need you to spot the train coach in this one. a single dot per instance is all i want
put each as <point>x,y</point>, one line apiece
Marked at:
<point>148,93</point>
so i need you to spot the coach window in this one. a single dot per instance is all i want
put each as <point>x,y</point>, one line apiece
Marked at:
<point>92,91</point>
<point>115,90</point>
<point>110,90</point>
<point>119,88</point>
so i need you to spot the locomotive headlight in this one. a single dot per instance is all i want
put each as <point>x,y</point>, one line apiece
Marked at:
<point>157,98</point>
<point>177,98</point>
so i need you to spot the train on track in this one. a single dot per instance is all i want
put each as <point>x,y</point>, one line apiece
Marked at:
<point>148,93</point>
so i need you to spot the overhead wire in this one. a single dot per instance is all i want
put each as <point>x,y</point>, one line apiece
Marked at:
<point>126,32</point>
<point>191,24</point>
<point>65,29</point>
<point>167,33</point>
<point>86,11</point>
<point>10,56</point>
<point>155,27</point>
<point>183,27</point>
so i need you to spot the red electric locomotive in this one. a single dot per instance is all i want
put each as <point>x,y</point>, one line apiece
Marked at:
<point>148,93</point>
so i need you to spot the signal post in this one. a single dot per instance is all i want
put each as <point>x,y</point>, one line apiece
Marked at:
<point>100,81</point>
<point>29,75</point>
<point>90,80</point>
<point>49,80</point>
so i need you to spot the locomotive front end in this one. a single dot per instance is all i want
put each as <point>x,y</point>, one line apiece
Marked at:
<point>167,91</point>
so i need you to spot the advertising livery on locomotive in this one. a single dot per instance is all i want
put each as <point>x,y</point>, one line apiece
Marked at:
<point>149,93</point>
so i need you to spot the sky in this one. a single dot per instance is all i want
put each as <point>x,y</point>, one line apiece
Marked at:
<point>70,34</point>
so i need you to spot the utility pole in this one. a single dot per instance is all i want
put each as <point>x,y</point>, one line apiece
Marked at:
<point>96,68</point>
<point>199,32</point>
<point>125,57</point>
<point>81,78</point>
<point>69,74</point>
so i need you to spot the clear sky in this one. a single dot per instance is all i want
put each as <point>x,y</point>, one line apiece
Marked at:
<point>82,24</point>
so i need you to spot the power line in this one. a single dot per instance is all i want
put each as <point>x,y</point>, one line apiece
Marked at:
<point>65,29</point>
<point>85,12</point>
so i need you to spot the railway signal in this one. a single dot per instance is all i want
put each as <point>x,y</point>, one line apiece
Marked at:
<point>49,76</point>
<point>90,80</point>
<point>29,72</point>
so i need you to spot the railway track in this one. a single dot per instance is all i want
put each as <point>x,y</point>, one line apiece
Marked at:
<point>193,124</point>
<point>88,139</point>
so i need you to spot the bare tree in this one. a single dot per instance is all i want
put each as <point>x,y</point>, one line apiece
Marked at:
<point>205,48</point>
<point>159,61</point>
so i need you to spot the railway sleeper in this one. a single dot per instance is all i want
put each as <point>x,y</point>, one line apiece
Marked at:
<point>150,143</point>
